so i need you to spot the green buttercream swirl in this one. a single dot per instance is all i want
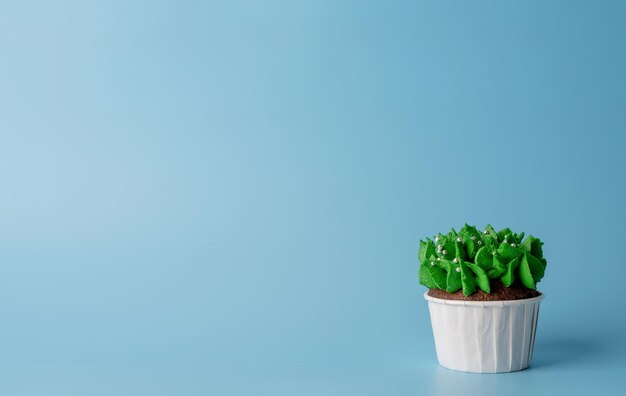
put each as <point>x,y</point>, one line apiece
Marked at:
<point>470,259</point>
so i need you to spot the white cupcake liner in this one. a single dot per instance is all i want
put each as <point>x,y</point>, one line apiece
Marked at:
<point>484,336</point>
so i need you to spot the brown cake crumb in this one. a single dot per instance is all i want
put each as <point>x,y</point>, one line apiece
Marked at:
<point>499,292</point>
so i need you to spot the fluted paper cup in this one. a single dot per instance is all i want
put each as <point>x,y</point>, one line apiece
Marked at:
<point>484,336</point>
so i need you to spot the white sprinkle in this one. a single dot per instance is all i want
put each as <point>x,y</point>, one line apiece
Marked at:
<point>505,241</point>
<point>480,242</point>
<point>473,237</point>
<point>456,260</point>
<point>439,247</point>
<point>458,269</point>
<point>437,238</point>
<point>445,252</point>
<point>494,252</point>
<point>485,232</point>
<point>513,245</point>
<point>432,263</point>
<point>459,239</point>
<point>438,258</point>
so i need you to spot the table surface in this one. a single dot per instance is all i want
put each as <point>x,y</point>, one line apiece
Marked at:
<point>561,366</point>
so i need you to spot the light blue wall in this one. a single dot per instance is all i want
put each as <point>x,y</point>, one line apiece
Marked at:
<point>227,197</point>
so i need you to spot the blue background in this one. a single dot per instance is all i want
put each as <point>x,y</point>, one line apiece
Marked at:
<point>226,198</point>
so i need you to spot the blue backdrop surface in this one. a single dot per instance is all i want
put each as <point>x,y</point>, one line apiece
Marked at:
<point>226,198</point>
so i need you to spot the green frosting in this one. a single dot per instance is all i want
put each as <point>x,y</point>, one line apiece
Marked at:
<point>469,259</point>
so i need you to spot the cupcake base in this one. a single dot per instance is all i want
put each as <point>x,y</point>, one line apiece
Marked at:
<point>484,336</point>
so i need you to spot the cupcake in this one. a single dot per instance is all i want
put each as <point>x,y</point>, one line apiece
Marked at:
<point>483,297</point>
